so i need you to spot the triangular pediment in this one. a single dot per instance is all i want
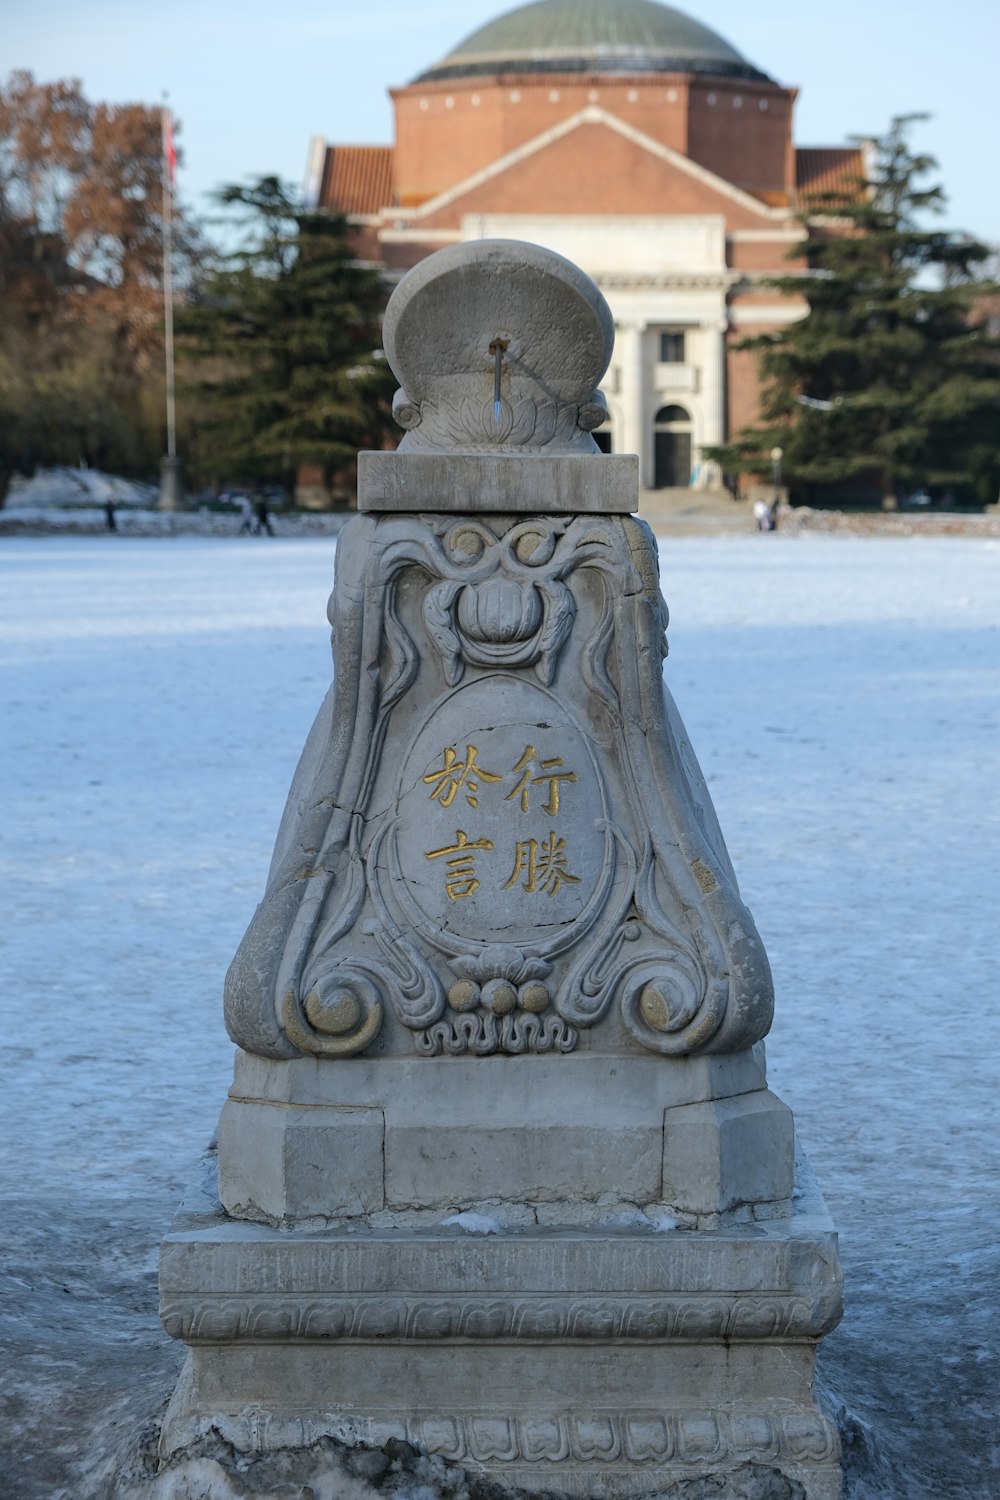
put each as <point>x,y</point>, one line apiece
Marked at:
<point>594,162</point>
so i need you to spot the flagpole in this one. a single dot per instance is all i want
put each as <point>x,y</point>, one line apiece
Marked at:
<point>171,487</point>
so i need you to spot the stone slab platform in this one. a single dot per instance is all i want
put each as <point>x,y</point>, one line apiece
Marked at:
<point>600,1362</point>
<point>511,483</point>
<point>304,1145</point>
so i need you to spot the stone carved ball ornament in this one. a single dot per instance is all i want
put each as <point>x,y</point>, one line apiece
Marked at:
<point>498,839</point>
<point>499,346</point>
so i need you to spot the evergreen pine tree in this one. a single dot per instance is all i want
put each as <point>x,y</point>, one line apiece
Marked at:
<point>891,382</point>
<point>285,333</point>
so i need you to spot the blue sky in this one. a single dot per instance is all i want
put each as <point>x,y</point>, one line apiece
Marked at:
<point>251,82</point>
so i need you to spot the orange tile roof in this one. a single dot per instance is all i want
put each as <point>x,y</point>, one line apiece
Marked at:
<point>828,169</point>
<point>357,179</point>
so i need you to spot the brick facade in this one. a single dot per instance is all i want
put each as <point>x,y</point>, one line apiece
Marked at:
<point>676,189</point>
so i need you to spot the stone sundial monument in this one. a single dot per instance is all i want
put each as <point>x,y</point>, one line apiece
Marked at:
<point>499,1171</point>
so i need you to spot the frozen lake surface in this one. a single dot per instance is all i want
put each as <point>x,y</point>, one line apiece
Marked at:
<point>843,696</point>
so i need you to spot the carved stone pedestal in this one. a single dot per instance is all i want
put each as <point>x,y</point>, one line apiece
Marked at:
<point>499,1170</point>
<point>608,1360</point>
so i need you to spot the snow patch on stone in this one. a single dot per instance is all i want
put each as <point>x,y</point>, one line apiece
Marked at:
<point>475,1223</point>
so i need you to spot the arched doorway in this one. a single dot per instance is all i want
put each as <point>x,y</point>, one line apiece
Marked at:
<point>671,448</point>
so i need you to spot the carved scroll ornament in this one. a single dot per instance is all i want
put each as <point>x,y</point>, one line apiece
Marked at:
<point>524,852</point>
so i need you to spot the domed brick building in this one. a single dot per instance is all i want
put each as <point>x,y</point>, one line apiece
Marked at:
<point>632,139</point>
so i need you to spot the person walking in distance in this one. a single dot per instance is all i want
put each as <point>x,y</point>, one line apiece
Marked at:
<point>263,517</point>
<point>763,514</point>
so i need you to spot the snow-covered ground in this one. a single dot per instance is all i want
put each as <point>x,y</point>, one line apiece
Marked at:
<point>72,502</point>
<point>842,695</point>
<point>66,489</point>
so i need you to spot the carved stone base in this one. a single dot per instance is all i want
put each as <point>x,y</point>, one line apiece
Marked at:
<point>608,1361</point>
<point>302,1144</point>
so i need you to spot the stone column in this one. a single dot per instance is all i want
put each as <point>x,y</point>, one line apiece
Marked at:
<point>499,1173</point>
<point>713,397</point>
<point>714,383</point>
<point>635,438</point>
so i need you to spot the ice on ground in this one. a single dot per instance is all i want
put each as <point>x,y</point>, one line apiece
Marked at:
<point>842,697</point>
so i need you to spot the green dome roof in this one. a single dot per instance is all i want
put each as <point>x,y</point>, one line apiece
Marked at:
<point>593,36</point>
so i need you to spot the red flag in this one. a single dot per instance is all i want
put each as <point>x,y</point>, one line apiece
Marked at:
<point>169,149</point>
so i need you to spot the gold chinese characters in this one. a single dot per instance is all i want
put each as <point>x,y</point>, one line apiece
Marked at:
<point>548,777</point>
<point>461,877</point>
<point>541,867</point>
<point>455,774</point>
<point>539,864</point>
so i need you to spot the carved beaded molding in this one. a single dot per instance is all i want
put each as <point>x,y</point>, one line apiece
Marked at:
<point>281,1317</point>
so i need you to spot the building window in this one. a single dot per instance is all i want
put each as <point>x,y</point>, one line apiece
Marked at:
<point>671,348</point>
<point>602,437</point>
